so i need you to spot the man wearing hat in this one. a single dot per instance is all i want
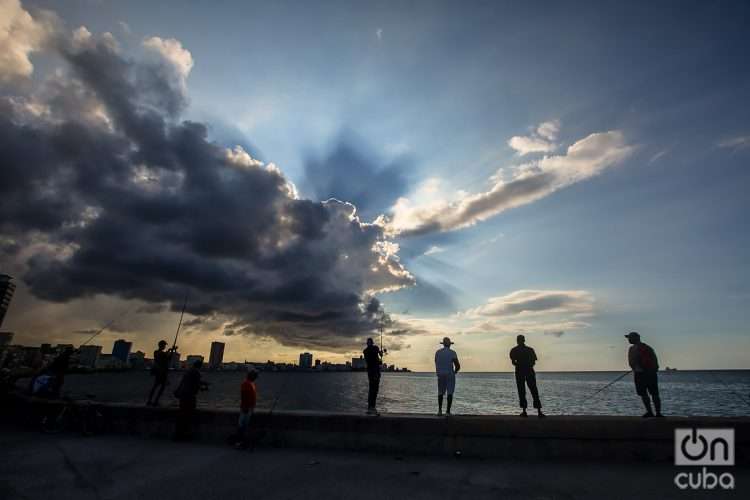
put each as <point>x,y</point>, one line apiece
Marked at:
<point>523,358</point>
<point>446,367</point>
<point>645,365</point>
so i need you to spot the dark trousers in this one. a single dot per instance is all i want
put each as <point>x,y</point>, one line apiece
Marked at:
<point>185,418</point>
<point>647,383</point>
<point>372,396</point>
<point>160,382</point>
<point>524,378</point>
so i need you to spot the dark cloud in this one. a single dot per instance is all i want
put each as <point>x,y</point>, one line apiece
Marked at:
<point>351,171</point>
<point>124,199</point>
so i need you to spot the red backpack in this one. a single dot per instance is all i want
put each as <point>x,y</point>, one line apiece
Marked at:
<point>647,357</point>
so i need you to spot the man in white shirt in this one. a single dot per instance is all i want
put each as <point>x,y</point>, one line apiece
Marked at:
<point>446,367</point>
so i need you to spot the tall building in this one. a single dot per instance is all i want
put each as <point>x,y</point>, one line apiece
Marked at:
<point>121,350</point>
<point>89,355</point>
<point>305,360</point>
<point>7,288</point>
<point>217,355</point>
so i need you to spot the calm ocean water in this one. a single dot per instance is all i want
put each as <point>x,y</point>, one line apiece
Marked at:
<point>718,393</point>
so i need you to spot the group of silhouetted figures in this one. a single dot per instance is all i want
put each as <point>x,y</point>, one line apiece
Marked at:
<point>641,358</point>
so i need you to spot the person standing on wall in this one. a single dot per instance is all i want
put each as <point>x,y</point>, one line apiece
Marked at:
<point>446,367</point>
<point>160,372</point>
<point>524,358</point>
<point>373,360</point>
<point>645,365</point>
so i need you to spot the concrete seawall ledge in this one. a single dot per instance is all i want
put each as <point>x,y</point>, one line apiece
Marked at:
<point>584,438</point>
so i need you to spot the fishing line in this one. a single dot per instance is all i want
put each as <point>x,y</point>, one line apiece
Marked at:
<point>112,322</point>
<point>615,380</point>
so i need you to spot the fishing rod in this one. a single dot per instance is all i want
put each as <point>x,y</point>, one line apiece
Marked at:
<point>112,322</point>
<point>615,380</point>
<point>184,305</point>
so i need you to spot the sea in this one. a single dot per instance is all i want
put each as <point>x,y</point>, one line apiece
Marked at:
<point>684,393</point>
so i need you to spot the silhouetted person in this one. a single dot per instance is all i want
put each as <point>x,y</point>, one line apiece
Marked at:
<point>57,370</point>
<point>446,367</point>
<point>373,360</point>
<point>187,393</point>
<point>645,365</point>
<point>248,397</point>
<point>160,372</point>
<point>523,358</point>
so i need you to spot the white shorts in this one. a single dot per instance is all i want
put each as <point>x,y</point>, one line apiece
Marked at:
<point>446,382</point>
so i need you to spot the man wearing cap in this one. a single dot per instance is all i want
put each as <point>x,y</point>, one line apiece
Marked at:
<point>446,367</point>
<point>160,371</point>
<point>645,365</point>
<point>523,358</point>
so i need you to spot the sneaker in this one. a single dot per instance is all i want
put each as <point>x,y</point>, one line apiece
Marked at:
<point>372,411</point>
<point>648,414</point>
<point>440,413</point>
<point>659,415</point>
<point>448,413</point>
<point>523,414</point>
<point>542,415</point>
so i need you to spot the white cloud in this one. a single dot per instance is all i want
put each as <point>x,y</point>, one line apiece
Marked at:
<point>540,141</point>
<point>525,145</point>
<point>736,143</point>
<point>173,52</point>
<point>529,182</point>
<point>238,157</point>
<point>379,33</point>
<point>658,155</point>
<point>549,130</point>
<point>20,36</point>
<point>527,302</point>
<point>434,249</point>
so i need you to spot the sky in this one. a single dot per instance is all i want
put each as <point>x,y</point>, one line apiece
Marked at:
<point>306,173</point>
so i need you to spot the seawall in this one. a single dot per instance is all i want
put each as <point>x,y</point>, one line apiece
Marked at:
<point>557,438</point>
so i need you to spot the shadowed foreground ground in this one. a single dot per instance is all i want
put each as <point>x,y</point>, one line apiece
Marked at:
<point>68,466</point>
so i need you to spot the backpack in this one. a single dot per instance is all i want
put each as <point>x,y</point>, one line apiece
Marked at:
<point>647,358</point>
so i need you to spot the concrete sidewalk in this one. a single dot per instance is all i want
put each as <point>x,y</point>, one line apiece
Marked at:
<point>40,466</point>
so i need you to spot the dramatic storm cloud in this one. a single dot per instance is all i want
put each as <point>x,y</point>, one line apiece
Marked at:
<point>525,183</point>
<point>104,190</point>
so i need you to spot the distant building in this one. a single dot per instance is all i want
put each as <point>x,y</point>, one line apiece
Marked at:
<point>137,360</point>
<point>7,289</point>
<point>174,362</point>
<point>217,355</point>
<point>60,348</point>
<point>89,355</point>
<point>109,362</point>
<point>317,364</point>
<point>358,363</point>
<point>305,360</point>
<point>192,358</point>
<point>32,357</point>
<point>6,338</point>
<point>121,350</point>
<point>46,349</point>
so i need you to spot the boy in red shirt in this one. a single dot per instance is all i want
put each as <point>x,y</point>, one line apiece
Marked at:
<point>248,397</point>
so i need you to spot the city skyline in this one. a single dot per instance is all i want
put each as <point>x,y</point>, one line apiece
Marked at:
<point>474,171</point>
